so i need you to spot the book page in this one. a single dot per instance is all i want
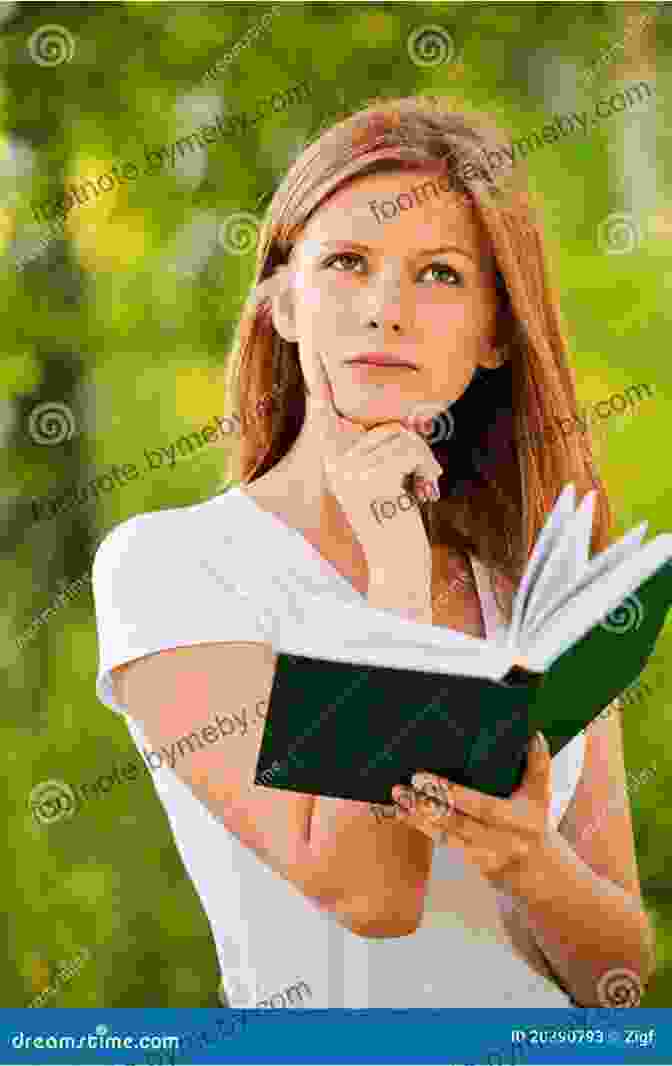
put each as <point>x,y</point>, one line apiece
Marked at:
<point>563,508</point>
<point>604,562</point>
<point>599,599</point>
<point>566,564</point>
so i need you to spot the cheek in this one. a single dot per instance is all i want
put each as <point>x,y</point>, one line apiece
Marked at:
<point>333,310</point>
<point>453,320</point>
<point>461,327</point>
<point>326,302</point>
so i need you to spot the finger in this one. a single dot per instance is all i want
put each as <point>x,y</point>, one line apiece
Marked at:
<point>428,466</point>
<point>384,810</point>
<point>440,834</point>
<point>397,441</point>
<point>537,777</point>
<point>382,444</point>
<point>397,449</point>
<point>378,436</point>
<point>439,787</point>
<point>489,810</point>
<point>420,804</point>
<point>425,490</point>
<point>426,816</point>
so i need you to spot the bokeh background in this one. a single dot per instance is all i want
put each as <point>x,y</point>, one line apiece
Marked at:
<point>120,322</point>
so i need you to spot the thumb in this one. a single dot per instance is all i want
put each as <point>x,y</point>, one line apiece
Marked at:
<point>537,777</point>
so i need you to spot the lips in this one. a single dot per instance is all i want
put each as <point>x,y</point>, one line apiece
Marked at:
<point>380,359</point>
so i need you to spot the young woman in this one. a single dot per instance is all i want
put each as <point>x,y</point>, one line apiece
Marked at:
<point>391,241</point>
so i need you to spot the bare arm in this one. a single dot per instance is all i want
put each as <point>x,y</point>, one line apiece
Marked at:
<point>371,875</point>
<point>583,901</point>
<point>392,860</point>
<point>174,695</point>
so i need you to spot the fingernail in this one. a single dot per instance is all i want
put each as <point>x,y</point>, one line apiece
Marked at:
<point>402,796</point>
<point>540,742</point>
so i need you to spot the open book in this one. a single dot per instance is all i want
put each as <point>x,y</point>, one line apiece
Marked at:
<point>363,700</point>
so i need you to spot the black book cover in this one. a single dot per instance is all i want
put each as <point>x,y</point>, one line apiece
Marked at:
<point>354,731</point>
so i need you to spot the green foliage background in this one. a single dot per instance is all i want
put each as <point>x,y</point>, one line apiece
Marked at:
<point>127,321</point>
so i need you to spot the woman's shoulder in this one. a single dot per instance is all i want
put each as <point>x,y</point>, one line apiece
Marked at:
<point>173,539</point>
<point>169,579</point>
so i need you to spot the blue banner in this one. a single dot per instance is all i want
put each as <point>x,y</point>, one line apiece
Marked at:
<point>160,1037</point>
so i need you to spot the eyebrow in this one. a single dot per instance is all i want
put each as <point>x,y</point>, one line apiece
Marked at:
<point>418,254</point>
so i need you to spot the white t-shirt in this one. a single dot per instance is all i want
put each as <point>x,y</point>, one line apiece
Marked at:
<point>227,570</point>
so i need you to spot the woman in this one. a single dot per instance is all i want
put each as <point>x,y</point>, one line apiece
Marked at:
<point>481,901</point>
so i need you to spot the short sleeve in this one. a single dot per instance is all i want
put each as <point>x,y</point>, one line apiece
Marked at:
<point>566,769</point>
<point>157,584</point>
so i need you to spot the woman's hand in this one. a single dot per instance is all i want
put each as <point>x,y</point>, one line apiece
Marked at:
<point>499,836</point>
<point>366,467</point>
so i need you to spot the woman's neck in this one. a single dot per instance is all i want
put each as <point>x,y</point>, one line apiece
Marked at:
<point>297,490</point>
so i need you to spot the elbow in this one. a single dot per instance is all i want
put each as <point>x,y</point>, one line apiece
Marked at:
<point>381,929</point>
<point>627,984</point>
<point>363,917</point>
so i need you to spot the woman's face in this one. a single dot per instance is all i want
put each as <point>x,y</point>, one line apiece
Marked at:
<point>425,277</point>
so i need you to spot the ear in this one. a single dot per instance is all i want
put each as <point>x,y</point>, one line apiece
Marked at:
<point>494,357</point>
<point>279,290</point>
<point>496,350</point>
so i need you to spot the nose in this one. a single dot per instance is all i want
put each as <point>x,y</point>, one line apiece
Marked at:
<point>388,307</point>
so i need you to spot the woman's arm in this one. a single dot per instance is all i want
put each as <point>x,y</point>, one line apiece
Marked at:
<point>333,851</point>
<point>582,899</point>
<point>393,860</point>
<point>182,694</point>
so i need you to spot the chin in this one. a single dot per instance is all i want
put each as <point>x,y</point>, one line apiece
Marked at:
<point>370,419</point>
<point>370,412</point>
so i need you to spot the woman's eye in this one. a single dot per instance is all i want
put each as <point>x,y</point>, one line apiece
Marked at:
<point>341,256</point>
<point>443,268</point>
<point>351,259</point>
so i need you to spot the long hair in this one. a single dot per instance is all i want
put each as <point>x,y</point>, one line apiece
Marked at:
<point>502,446</point>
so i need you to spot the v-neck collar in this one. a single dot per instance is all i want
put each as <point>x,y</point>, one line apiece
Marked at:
<point>297,536</point>
<point>488,604</point>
